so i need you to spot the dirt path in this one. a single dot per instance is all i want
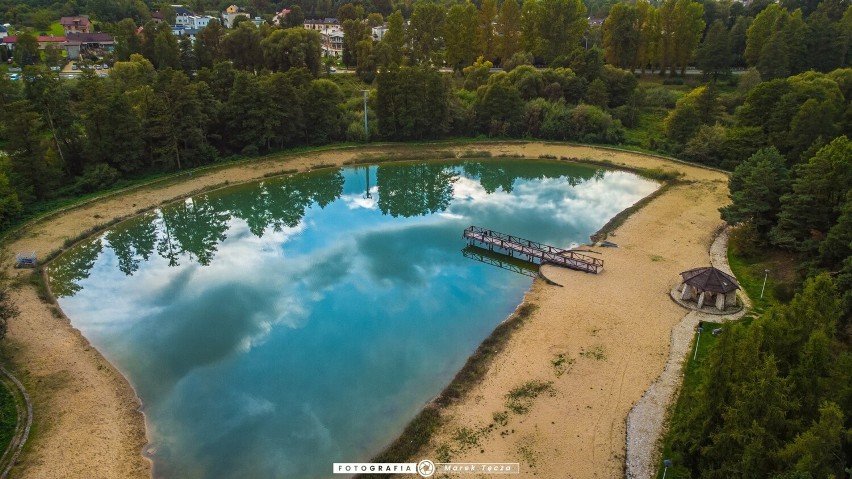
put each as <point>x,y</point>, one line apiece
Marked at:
<point>87,422</point>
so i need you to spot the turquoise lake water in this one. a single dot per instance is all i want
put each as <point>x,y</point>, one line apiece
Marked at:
<point>274,328</point>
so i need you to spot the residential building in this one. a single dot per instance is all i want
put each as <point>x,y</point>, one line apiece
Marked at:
<point>78,24</point>
<point>43,41</point>
<point>280,18</point>
<point>379,32</point>
<point>322,23</point>
<point>230,14</point>
<point>96,44</point>
<point>183,16</point>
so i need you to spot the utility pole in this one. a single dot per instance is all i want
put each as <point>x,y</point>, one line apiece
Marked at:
<point>366,125</point>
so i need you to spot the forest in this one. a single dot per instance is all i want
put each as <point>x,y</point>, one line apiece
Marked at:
<point>763,91</point>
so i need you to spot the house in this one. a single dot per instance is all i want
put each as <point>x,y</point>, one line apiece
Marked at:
<point>322,24</point>
<point>230,14</point>
<point>96,44</point>
<point>181,31</point>
<point>280,18</point>
<point>43,41</point>
<point>157,17</point>
<point>4,32</point>
<point>78,24</point>
<point>332,42</point>
<point>198,22</point>
<point>183,16</point>
<point>379,32</point>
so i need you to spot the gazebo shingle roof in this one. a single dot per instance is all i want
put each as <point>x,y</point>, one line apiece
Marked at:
<point>710,279</point>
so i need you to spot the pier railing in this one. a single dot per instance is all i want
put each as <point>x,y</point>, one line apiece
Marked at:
<point>534,250</point>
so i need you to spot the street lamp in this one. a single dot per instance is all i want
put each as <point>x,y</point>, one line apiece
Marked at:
<point>667,463</point>
<point>765,275</point>
<point>700,329</point>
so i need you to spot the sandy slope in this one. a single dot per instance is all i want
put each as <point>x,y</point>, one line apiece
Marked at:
<point>86,420</point>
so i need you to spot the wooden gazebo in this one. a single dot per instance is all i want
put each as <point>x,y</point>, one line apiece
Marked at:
<point>709,285</point>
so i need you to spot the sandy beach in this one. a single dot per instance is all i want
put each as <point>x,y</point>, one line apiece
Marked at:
<point>611,330</point>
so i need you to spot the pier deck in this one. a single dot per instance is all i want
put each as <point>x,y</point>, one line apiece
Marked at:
<point>534,250</point>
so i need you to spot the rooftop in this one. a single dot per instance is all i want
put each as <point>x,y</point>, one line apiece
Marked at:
<point>710,279</point>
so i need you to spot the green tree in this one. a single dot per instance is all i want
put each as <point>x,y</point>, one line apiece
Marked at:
<point>648,26</point>
<point>714,54</point>
<point>292,48</point>
<point>242,47</point>
<point>34,168</point>
<point>208,44</point>
<point>486,41</point>
<point>392,42</point>
<point>499,109</point>
<point>818,450</point>
<point>689,25</point>
<point>460,36</point>
<point>126,39</point>
<point>760,31</point>
<point>550,28</point>
<point>324,116</point>
<point>424,32</point>
<point>296,17</point>
<point>508,27</point>
<point>774,59</point>
<point>166,52</point>
<point>412,103</point>
<point>621,35</point>
<point>353,32</point>
<point>26,49</point>
<point>756,187</point>
<point>816,201</point>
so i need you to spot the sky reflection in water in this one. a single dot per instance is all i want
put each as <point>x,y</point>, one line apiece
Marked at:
<point>274,328</point>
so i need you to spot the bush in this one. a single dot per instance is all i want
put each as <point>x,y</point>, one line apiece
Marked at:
<point>97,177</point>
<point>590,124</point>
<point>660,97</point>
<point>744,241</point>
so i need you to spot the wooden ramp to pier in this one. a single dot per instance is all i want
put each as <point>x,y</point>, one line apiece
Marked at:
<point>534,250</point>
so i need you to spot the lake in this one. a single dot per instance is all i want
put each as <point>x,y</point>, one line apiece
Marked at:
<point>273,328</point>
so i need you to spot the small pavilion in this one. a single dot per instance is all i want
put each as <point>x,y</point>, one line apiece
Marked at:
<point>709,285</point>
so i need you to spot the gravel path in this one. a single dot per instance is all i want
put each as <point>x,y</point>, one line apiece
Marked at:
<point>645,423</point>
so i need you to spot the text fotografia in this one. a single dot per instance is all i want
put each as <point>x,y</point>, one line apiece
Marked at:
<point>427,468</point>
<point>375,467</point>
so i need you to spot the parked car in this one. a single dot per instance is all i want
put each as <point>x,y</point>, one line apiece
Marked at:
<point>98,67</point>
<point>333,70</point>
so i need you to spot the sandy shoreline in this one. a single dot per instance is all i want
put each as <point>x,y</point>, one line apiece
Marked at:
<point>87,422</point>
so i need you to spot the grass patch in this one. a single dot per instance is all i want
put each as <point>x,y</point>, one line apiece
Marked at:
<point>561,364</point>
<point>475,154</point>
<point>750,272</point>
<point>467,437</point>
<point>501,418</point>
<point>416,435</point>
<point>597,353</point>
<point>37,281</point>
<point>519,400</point>
<point>691,381</point>
<point>8,415</point>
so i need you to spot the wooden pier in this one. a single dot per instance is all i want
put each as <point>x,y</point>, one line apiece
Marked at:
<point>546,254</point>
